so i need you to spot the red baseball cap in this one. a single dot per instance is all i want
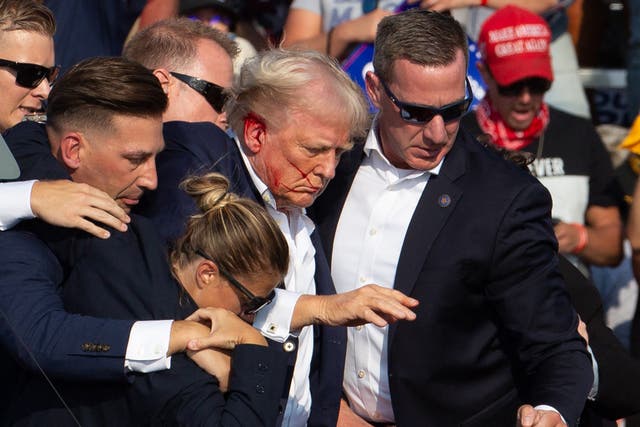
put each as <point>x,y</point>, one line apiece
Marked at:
<point>515,45</point>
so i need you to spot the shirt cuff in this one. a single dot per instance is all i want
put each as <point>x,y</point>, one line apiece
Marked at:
<point>550,408</point>
<point>274,321</point>
<point>16,203</point>
<point>596,379</point>
<point>148,345</point>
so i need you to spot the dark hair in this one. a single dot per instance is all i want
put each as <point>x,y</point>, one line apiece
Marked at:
<point>26,15</point>
<point>236,232</point>
<point>172,43</point>
<point>420,36</point>
<point>96,89</point>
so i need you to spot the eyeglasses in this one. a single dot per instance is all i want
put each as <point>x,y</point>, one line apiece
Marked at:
<point>31,75</point>
<point>421,114</point>
<point>536,86</point>
<point>214,94</point>
<point>255,303</point>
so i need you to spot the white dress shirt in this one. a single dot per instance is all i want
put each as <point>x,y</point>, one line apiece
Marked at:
<point>366,249</point>
<point>275,319</point>
<point>15,203</point>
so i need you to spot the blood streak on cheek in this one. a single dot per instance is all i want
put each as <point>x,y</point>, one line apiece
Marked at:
<point>276,179</point>
<point>305,176</point>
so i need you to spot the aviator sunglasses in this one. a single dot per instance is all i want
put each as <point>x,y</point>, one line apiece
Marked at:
<point>421,114</point>
<point>214,94</point>
<point>31,75</point>
<point>536,86</point>
<point>255,303</point>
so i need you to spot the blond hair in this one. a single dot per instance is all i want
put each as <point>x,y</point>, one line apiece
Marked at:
<point>278,82</point>
<point>26,15</point>
<point>172,43</point>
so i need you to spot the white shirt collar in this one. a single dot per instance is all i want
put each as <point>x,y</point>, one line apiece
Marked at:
<point>372,146</point>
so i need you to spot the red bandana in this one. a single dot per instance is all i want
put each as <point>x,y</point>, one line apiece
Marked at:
<point>501,134</point>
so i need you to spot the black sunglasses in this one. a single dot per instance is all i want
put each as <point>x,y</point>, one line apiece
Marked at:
<point>536,86</point>
<point>255,303</point>
<point>214,94</point>
<point>421,114</point>
<point>31,75</point>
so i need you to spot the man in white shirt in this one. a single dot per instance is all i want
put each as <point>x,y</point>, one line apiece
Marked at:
<point>427,210</point>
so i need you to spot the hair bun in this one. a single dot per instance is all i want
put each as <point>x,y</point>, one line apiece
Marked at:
<point>209,191</point>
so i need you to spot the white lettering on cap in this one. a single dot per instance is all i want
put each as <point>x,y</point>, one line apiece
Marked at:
<point>520,46</point>
<point>518,32</point>
<point>506,33</point>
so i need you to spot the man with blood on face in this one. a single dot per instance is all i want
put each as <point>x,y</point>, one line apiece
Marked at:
<point>293,115</point>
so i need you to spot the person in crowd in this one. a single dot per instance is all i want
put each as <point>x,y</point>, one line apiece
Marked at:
<point>338,26</point>
<point>570,159</point>
<point>27,67</point>
<point>633,62</point>
<point>221,15</point>
<point>104,127</point>
<point>425,209</point>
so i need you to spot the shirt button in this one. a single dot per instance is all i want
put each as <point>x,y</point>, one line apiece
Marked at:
<point>359,328</point>
<point>373,232</point>
<point>260,389</point>
<point>362,280</point>
<point>361,374</point>
<point>289,346</point>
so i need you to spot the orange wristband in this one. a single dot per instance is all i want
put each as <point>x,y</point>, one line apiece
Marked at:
<point>583,238</point>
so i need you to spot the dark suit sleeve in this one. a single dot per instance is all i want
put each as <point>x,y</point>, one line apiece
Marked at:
<point>184,396</point>
<point>29,144</point>
<point>169,207</point>
<point>538,323</point>
<point>35,325</point>
<point>618,373</point>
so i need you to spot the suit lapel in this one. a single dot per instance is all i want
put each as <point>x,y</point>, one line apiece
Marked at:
<point>438,201</point>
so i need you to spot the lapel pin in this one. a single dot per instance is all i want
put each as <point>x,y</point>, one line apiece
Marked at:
<point>444,200</point>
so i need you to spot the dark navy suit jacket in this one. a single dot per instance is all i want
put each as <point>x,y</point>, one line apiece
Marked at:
<point>34,321</point>
<point>495,326</point>
<point>202,147</point>
<point>127,277</point>
<point>619,373</point>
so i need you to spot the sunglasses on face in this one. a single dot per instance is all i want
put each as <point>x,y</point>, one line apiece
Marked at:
<point>254,303</point>
<point>535,85</point>
<point>214,94</point>
<point>31,75</point>
<point>421,114</point>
